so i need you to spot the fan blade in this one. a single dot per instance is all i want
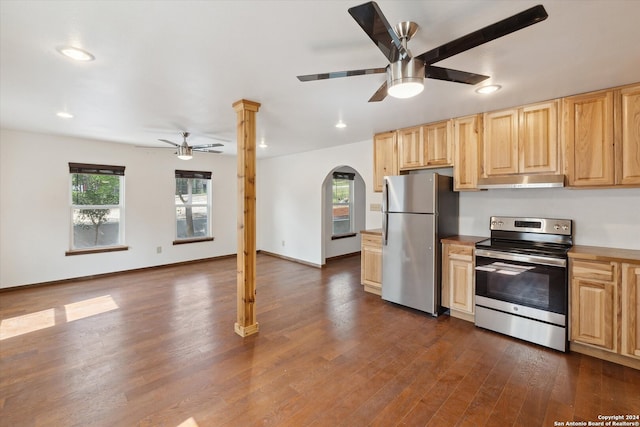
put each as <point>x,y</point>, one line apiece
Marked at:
<point>491,32</point>
<point>206,151</point>
<point>451,75</point>
<point>372,21</point>
<point>195,147</point>
<point>337,74</point>
<point>169,142</point>
<point>380,94</point>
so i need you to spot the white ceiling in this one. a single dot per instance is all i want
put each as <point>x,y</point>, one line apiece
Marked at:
<point>166,66</point>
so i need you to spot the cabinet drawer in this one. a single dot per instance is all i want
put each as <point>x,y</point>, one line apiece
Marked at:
<point>372,239</point>
<point>461,252</point>
<point>604,271</point>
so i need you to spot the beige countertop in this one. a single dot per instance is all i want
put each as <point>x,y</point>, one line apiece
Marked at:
<point>463,240</point>
<point>597,253</point>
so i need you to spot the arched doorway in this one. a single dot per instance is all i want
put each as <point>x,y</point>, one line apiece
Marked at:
<point>343,212</point>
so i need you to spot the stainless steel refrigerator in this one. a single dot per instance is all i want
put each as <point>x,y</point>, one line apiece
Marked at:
<point>418,210</point>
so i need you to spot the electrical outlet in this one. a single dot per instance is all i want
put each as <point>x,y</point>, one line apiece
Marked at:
<point>159,250</point>
<point>283,243</point>
<point>375,207</point>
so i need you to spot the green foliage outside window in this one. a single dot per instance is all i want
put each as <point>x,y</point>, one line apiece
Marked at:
<point>94,190</point>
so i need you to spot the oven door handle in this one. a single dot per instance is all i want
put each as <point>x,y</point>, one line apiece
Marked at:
<point>531,259</point>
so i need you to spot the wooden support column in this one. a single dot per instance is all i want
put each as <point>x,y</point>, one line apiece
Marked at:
<point>246,323</point>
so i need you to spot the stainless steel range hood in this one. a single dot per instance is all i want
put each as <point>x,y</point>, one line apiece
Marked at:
<point>521,181</point>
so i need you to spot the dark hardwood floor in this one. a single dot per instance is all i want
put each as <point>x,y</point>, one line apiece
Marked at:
<point>157,348</point>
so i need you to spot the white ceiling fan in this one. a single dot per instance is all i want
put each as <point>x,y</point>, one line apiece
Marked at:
<point>185,151</point>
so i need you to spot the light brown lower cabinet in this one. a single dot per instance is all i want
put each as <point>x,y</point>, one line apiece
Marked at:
<point>594,303</point>
<point>631,310</point>
<point>605,314</point>
<point>458,280</point>
<point>371,263</point>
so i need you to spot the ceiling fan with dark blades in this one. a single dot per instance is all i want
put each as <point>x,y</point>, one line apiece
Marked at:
<point>185,151</point>
<point>406,73</point>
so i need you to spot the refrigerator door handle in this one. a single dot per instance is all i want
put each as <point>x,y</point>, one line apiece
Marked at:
<point>385,213</point>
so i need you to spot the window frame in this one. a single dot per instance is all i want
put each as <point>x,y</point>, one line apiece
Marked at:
<point>188,174</point>
<point>95,169</point>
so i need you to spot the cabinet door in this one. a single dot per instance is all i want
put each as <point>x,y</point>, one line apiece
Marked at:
<point>459,278</point>
<point>588,135</point>
<point>467,149</point>
<point>631,310</point>
<point>371,263</point>
<point>592,312</point>
<point>385,158</point>
<point>628,152</point>
<point>461,285</point>
<point>411,148</point>
<point>501,142</point>
<point>437,144</point>
<point>538,138</point>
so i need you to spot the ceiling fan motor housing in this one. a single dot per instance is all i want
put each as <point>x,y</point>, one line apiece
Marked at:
<point>405,78</point>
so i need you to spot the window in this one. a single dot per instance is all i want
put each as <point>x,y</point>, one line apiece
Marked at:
<point>193,206</point>
<point>342,204</point>
<point>97,206</point>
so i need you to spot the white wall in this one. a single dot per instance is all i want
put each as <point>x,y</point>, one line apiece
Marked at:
<point>608,217</point>
<point>34,207</point>
<point>290,198</point>
<point>35,226</point>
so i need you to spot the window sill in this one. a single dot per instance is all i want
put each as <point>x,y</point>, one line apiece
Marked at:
<point>342,236</point>
<point>196,240</point>
<point>96,250</point>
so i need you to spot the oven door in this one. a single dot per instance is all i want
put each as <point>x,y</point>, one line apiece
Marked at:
<point>522,280</point>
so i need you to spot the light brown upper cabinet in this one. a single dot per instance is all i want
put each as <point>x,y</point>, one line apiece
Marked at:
<point>425,146</point>
<point>522,140</point>
<point>588,137</point>
<point>467,152</point>
<point>411,148</point>
<point>628,138</point>
<point>437,144</point>
<point>602,137</point>
<point>385,157</point>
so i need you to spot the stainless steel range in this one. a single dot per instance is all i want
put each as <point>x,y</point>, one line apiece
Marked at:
<point>521,279</point>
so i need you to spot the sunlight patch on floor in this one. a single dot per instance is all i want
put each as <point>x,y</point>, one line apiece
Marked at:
<point>89,307</point>
<point>20,325</point>
<point>190,422</point>
<point>26,323</point>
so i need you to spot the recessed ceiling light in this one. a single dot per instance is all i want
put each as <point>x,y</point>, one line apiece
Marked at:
<point>488,89</point>
<point>64,115</point>
<point>76,53</point>
<point>262,144</point>
<point>341,125</point>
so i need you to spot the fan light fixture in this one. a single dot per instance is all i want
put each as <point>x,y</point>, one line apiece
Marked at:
<point>76,53</point>
<point>185,152</point>
<point>405,79</point>
<point>488,89</point>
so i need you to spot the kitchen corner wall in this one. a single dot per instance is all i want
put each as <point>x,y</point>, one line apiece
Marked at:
<point>289,202</point>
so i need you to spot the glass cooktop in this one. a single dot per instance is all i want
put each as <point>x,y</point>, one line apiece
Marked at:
<point>525,247</point>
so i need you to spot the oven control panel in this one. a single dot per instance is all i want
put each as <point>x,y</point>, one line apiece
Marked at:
<point>532,225</point>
